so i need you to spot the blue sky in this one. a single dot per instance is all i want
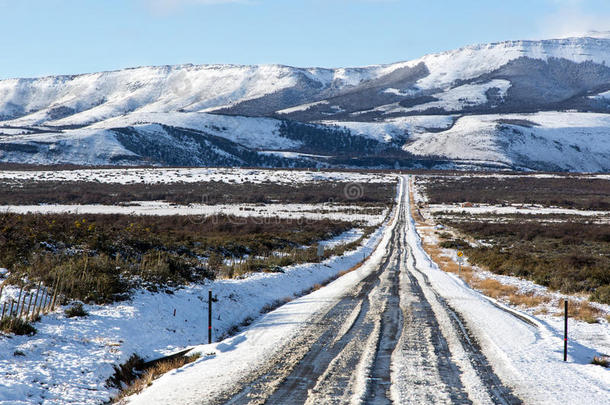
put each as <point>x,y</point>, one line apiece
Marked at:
<point>40,37</point>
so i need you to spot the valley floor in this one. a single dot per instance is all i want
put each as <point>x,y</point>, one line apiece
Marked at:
<point>397,330</point>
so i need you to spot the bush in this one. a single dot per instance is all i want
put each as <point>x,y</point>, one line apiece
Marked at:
<point>603,361</point>
<point>601,294</point>
<point>102,258</point>
<point>76,310</point>
<point>17,326</point>
<point>454,244</point>
<point>126,373</point>
<point>135,375</point>
<point>544,253</point>
<point>580,193</point>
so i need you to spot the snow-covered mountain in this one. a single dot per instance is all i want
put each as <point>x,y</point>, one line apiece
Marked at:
<point>538,105</point>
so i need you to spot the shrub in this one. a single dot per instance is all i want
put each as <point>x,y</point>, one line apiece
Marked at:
<point>141,379</point>
<point>601,294</point>
<point>17,326</point>
<point>603,361</point>
<point>81,192</point>
<point>76,310</point>
<point>454,244</point>
<point>126,373</point>
<point>101,258</point>
<point>580,193</point>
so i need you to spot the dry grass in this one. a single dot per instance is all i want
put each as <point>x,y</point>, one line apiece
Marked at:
<point>494,289</point>
<point>153,373</point>
<point>444,262</point>
<point>603,361</point>
<point>490,287</point>
<point>528,299</point>
<point>343,273</point>
<point>581,310</point>
<point>354,268</point>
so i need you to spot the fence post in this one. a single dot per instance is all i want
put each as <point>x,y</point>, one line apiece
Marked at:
<point>36,299</point>
<point>565,333</point>
<point>25,296</point>
<point>43,298</point>
<point>27,313</point>
<point>3,309</point>
<point>55,294</point>
<point>209,316</point>
<point>18,300</point>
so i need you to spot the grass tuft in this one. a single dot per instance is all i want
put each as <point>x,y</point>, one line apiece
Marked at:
<point>76,310</point>
<point>17,326</point>
<point>581,310</point>
<point>148,375</point>
<point>603,361</point>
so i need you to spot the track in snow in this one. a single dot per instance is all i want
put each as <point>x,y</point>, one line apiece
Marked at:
<point>383,342</point>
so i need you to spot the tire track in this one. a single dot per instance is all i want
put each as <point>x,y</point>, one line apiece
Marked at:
<point>382,343</point>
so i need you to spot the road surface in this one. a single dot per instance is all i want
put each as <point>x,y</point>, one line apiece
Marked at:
<point>390,339</point>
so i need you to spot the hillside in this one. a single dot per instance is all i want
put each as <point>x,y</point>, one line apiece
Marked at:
<point>528,105</point>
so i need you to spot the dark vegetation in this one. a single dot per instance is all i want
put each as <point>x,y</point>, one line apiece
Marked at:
<point>570,257</point>
<point>569,191</point>
<point>135,374</point>
<point>570,253</point>
<point>76,310</point>
<point>16,326</point>
<point>328,140</point>
<point>101,258</point>
<point>60,192</point>
<point>127,373</point>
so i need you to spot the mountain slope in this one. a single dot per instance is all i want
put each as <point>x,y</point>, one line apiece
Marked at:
<point>501,105</point>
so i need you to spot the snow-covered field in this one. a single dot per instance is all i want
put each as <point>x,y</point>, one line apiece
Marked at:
<point>68,360</point>
<point>238,356</point>
<point>595,337</point>
<point>512,209</point>
<point>196,175</point>
<point>330,211</point>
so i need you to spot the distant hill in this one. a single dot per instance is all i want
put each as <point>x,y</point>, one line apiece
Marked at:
<point>524,105</point>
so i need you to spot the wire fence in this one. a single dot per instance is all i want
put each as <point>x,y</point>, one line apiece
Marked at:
<point>33,301</point>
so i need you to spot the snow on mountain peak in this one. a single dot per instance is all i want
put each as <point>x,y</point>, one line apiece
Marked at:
<point>590,34</point>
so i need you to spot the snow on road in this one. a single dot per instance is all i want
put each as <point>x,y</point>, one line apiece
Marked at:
<point>243,354</point>
<point>527,357</point>
<point>68,360</point>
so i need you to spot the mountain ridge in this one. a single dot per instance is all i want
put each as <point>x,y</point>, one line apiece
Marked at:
<point>394,111</point>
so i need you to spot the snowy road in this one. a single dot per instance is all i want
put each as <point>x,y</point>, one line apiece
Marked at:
<point>385,324</point>
<point>386,333</point>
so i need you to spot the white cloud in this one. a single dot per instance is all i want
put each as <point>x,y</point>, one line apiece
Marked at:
<point>571,20</point>
<point>166,6</point>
